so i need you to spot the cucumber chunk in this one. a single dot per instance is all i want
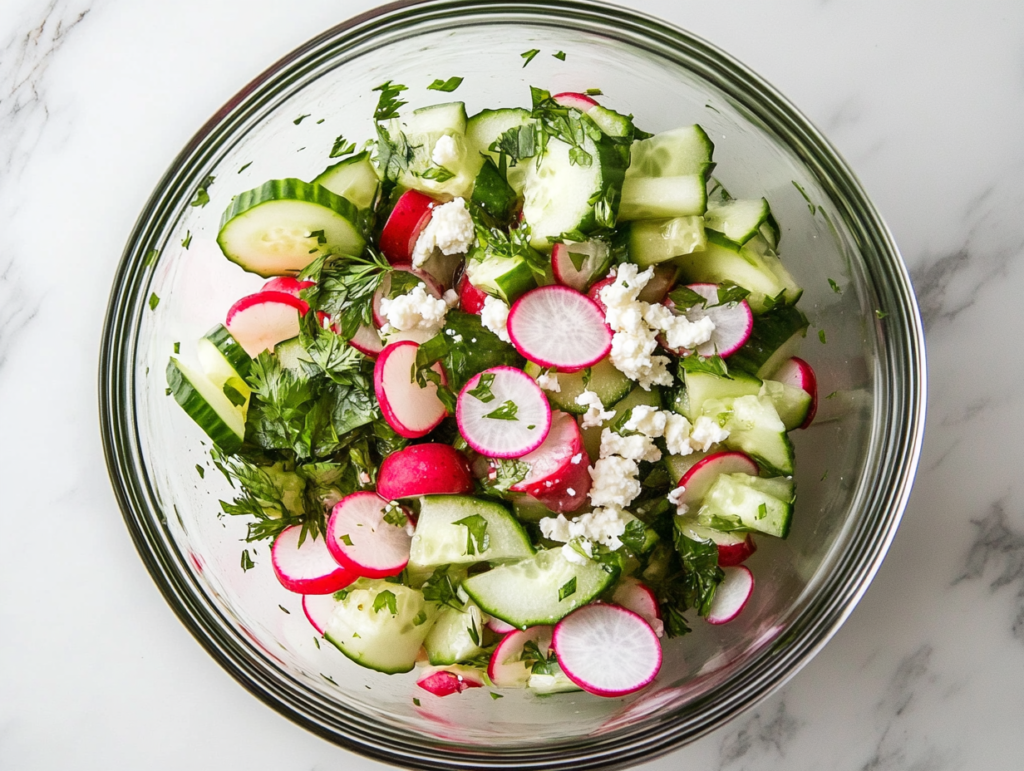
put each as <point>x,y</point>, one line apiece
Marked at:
<point>645,198</point>
<point>283,225</point>
<point>365,629</point>
<point>484,128</point>
<point>225,363</point>
<point>455,635</point>
<point>423,128</point>
<point>438,540</point>
<point>526,593</point>
<point>504,277</point>
<point>207,405</point>
<point>655,241</point>
<point>740,501</point>
<point>291,354</point>
<point>606,381</point>
<point>685,150</point>
<point>739,220</point>
<point>775,338</point>
<point>353,178</point>
<point>704,386</point>
<point>790,402</point>
<point>756,429</point>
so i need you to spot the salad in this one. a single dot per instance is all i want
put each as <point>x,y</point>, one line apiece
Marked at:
<point>514,401</point>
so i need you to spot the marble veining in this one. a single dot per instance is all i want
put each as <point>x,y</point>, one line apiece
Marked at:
<point>1000,545</point>
<point>766,734</point>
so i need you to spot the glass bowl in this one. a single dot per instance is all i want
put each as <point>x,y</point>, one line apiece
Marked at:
<point>855,464</point>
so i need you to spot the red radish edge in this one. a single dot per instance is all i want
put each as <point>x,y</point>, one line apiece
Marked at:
<point>318,609</point>
<point>262,320</point>
<point>442,682</point>
<point>287,284</point>
<point>555,326</point>
<point>638,597</point>
<point>424,469</point>
<point>519,438</point>
<point>559,474</point>
<point>581,102</point>
<point>607,650</point>
<point>411,214</point>
<point>367,341</point>
<point>410,410</point>
<point>797,372</point>
<point>699,478</point>
<point>362,542</point>
<point>594,293</point>
<point>471,299</point>
<point>730,555</point>
<point>732,595</point>
<point>309,568</point>
<point>498,626</point>
<point>506,669</point>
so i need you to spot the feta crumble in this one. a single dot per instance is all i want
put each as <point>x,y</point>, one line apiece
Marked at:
<point>633,341</point>
<point>634,447</point>
<point>415,310</point>
<point>445,151</point>
<point>648,420</point>
<point>677,434</point>
<point>596,414</point>
<point>494,317</point>
<point>673,498</point>
<point>450,230</point>
<point>615,481</point>
<point>451,298</point>
<point>600,526</point>
<point>549,383</point>
<point>707,432</point>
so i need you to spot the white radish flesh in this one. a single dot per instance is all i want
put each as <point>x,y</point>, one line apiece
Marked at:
<point>367,341</point>
<point>498,626</point>
<point>309,568</point>
<point>506,668</point>
<point>797,372</point>
<point>262,320</point>
<point>638,597</point>
<point>509,420</point>
<point>556,326</point>
<point>592,257</point>
<point>732,594</point>
<point>363,542</point>
<point>318,609</point>
<point>698,480</point>
<point>733,322</point>
<point>559,474</point>
<point>410,409</point>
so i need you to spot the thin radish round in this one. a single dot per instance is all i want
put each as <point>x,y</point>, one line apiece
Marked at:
<point>471,299</point>
<point>367,341</point>
<point>698,479</point>
<point>430,285</point>
<point>556,326</point>
<point>318,609</point>
<point>594,293</point>
<point>424,469</point>
<point>410,409</point>
<point>502,413</point>
<point>498,626</point>
<point>369,536</point>
<point>262,320</point>
<point>733,547</point>
<point>607,650</point>
<point>445,682</point>
<point>581,102</point>
<point>732,594</point>
<point>287,284</point>
<point>733,322</point>
<point>309,568</point>
<point>591,257</point>
<point>797,372</point>
<point>411,214</point>
<point>507,668</point>
<point>638,597</point>
<point>559,475</point>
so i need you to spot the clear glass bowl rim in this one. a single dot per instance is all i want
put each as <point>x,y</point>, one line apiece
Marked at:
<point>900,386</point>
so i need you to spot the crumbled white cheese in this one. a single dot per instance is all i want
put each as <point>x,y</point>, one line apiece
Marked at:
<point>575,460</point>
<point>633,447</point>
<point>707,432</point>
<point>679,331</point>
<point>648,420</point>
<point>600,526</point>
<point>673,498</point>
<point>364,478</point>
<point>445,151</point>
<point>494,317</point>
<point>450,230</point>
<point>572,554</point>
<point>415,310</point>
<point>677,434</point>
<point>596,413</point>
<point>549,383</point>
<point>615,481</point>
<point>633,341</point>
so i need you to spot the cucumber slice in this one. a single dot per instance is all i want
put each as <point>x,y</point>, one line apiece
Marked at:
<point>678,465</point>
<point>529,509</point>
<point>704,386</point>
<point>492,193</point>
<point>612,123</point>
<point>437,119</point>
<point>423,128</point>
<point>225,363</point>
<point>353,178</point>
<point>606,381</point>
<point>756,429</point>
<point>739,220</point>
<point>775,338</point>
<point>207,405</point>
<point>790,402</point>
<point>526,593</point>
<point>439,541</point>
<point>655,241</point>
<point>363,627</point>
<point>740,501</point>
<point>270,230</point>
<point>485,127</point>
<point>635,398</point>
<point>504,277</point>
<point>645,198</point>
<point>291,354</point>
<point>455,635</point>
<point>557,682</point>
<point>681,151</point>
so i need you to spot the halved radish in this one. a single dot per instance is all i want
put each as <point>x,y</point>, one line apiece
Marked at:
<point>507,417</point>
<point>733,322</point>
<point>797,372</point>
<point>594,293</point>
<point>362,541</point>
<point>732,594</point>
<point>663,278</point>
<point>733,547</point>
<point>444,682</point>
<point>498,626</point>
<point>318,609</point>
<point>287,284</point>
<point>556,326</point>
<point>471,299</point>
<point>591,256</point>
<point>638,597</point>
<point>309,568</point>
<point>698,480</point>
<point>367,340</point>
<point>607,650</point>
<point>506,668</point>
<point>411,410</point>
<point>559,469</point>
<point>424,469</point>
<point>431,286</point>
<point>581,102</point>
<point>411,214</point>
<point>262,320</point>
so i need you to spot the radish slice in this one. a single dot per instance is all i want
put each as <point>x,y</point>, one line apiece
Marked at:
<point>411,410</point>
<point>411,214</point>
<point>498,626</point>
<point>595,293</point>
<point>444,682</point>
<point>698,480</point>
<point>732,594</point>
<point>287,284</point>
<point>318,609</point>
<point>424,469</point>
<point>362,541</point>
<point>559,469</point>
<point>797,372</point>
<point>431,286</point>
<point>638,597</point>
<point>581,102</point>
<point>309,568</point>
<point>592,257</point>
<point>607,650</point>
<point>506,668</point>
<point>556,326</point>
<point>367,341</point>
<point>733,548</point>
<point>471,299</point>
<point>262,320</point>
<point>733,322</point>
<point>508,418</point>
<point>663,279</point>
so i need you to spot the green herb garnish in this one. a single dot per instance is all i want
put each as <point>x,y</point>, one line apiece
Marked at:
<point>388,104</point>
<point>151,257</point>
<point>560,55</point>
<point>880,314</point>
<point>202,196</point>
<point>341,147</point>
<point>386,599</point>
<point>482,390</point>
<point>567,589</point>
<point>835,287</point>
<point>477,540</point>
<point>244,167</point>
<point>394,515</point>
<point>446,85</point>
<point>187,240</point>
<point>154,301</point>
<point>507,411</point>
<point>301,118</point>
<point>528,55</point>
<point>821,336</point>
<point>247,563</point>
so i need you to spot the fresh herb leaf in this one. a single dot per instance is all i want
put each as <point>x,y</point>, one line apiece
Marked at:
<point>470,349</point>
<point>202,197</point>
<point>762,510</point>
<point>821,336</point>
<point>507,411</point>
<point>437,174</point>
<point>446,85</point>
<point>386,599</point>
<point>244,167</point>
<point>341,147</point>
<point>635,536</point>
<point>394,154</point>
<point>701,574</point>
<point>594,92</point>
<point>247,563</point>
<point>388,104</point>
<point>729,292</point>
<point>234,396</point>
<point>539,663</point>
<point>474,633</point>
<point>507,472</point>
<point>560,55</point>
<point>496,696</point>
<point>153,301</point>
<point>442,588</point>
<point>773,302</point>
<point>201,471</point>
<point>514,145</point>
<point>576,258</point>
<point>824,476</point>
<point>588,375</point>
<point>477,539</point>
<point>394,515</point>
<point>341,594</point>
<point>880,314</point>
<point>528,55</point>
<point>346,539</point>
<point>301,118</point>
<point>284,609</point>
<point>421,618</point>
<point>187,240</point>
<point>177,347</point>
<point>832,395</point>
<point>685,298</point>
<point>567,589</point>
<point>482,390</point>
<point>415,701</point>
<point>151,257</point>
<point>714,365</point>
<point>835,287</point>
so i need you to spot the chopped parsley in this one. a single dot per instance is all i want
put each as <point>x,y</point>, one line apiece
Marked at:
<point>567,589</point>
<point>482,390</point>
<point>712,364</point>
<point>835,287</point>
<point>821,336</point>
<point>446,85</point>
<point>187,240</point>
<point>437,174</point>
<point>388,104</point>
<point>528,55</point>
<point>496,695</point>
<point>394,515</point>
<point>880,314</point>
<point>346,539</point>
<point>301,118</point>
<point>201,471</point>
<point>247,563</point>
<point>507,411</point>
<point>341,147</point>
<point>415,701</point>
<point>477,538</point>
<point>244,167</point>
<point>386,599</point>
<point>284,610</point>
<point>151,257</point>
<point>154,301</point>
<point>685,298</point>
<point>177,347</point>
<point>728,292</point>
<point>202,196</point>
<point>560,55</point>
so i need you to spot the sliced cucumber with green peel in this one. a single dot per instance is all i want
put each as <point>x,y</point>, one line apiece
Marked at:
<point>506,277</point>
<point>207,405</point>
<point>528,509</point>
<point>225,363</point>
<point>645,198</point>
<point>539,590</point>
<point>704,386</point>
<point>379,631</point>
<point>739,220</point>
<point>455,635</point>
<point>775,338</point>
<point>423,128</point>
<point>291,354</point>
<point>436,119</point>
<point>484,128</point>
<point>439,540</point>
<point>283,225</point>
<point>792,403</point>
<point>754,428</point>
<point>744,502</point>
<point>685,150</point>
<point>354,179</point>
<point>651,242</point>
<point>606,381</point>
<point>678,465</point>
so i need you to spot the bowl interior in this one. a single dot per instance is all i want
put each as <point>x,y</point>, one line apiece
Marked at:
<point>258,629</point>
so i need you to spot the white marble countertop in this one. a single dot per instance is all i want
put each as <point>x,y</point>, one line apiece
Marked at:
<point>926,101</point>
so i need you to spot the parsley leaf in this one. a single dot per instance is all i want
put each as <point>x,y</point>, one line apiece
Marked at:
<point>247,563</point>
<point>471,349</point>
<point>187,240</point>
<point>701,574</point>
<point>477,540</point>
<point>446,85</point>
<point>482,390</point>
<point>151,257</point>
<point>712,364</point>
<point>154,301</point>
<point>567,589</point>
<point>835,287</point>
<point>388,104</point>
<point>539,663</point>
<point>386,599</point>
<point>341,147</point>
<point>729,292</point>
<point>560,55</point>
<point>507,411</point>
<point>821,336</point>
<point>244,167</point>
<point>880,314</point>
<point>202,196</point>
<point>442,588</point>
<point>507,472</point>
<point>635,536</point>
<point>528,55</point>
<point>685,298</point>
<point>496,696</point>
<point>394,515</point>
<point>301,118</point>
<point>436,173</point>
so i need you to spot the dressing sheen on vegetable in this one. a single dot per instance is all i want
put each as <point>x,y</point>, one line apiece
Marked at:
<point>516,399</point>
